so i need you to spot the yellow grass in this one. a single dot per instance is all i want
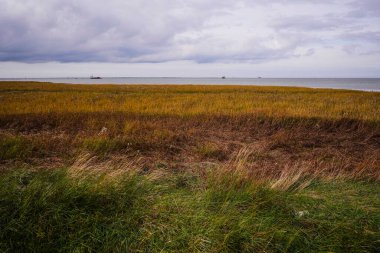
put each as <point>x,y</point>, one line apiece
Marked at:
<point>187,100</point>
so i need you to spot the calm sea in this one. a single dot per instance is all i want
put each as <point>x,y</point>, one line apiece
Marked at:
<point>367,84</point>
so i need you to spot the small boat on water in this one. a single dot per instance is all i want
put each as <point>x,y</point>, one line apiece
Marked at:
<point>95,77</point>
<point>223,77</point>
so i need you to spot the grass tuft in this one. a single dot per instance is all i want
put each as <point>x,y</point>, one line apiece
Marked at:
<point>13,147</point>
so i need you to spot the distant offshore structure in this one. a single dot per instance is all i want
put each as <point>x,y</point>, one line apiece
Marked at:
<point>95,77</point>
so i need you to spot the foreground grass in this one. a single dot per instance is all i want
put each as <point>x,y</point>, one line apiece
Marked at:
<point>65,211</point>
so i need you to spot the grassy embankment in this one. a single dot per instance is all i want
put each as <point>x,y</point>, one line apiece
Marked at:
<point>188,168</point>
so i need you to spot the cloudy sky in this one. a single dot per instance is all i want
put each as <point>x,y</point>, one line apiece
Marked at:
<point>247,38</point>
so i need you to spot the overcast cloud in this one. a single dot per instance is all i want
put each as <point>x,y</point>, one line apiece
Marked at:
<point>199,32</point>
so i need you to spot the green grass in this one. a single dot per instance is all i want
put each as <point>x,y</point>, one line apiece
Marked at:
<point>82,211</point>
<point>102,145</point>
<point>12,147</point>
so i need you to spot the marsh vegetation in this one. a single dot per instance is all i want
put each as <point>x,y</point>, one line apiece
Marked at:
<point>137,168</point>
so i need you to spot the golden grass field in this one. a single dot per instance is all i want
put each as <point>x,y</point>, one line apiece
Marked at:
<point>187,100</point>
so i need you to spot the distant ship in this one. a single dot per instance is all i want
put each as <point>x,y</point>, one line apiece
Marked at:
<point>223,77</point>
<point>95,77</point>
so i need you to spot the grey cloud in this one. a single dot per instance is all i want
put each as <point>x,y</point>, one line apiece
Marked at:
<point>89,30</point>
<point>361,43</point>
<point>372,36</point>
<point>302,23</point>
<point>166,30</point>
<point>365,8</point>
